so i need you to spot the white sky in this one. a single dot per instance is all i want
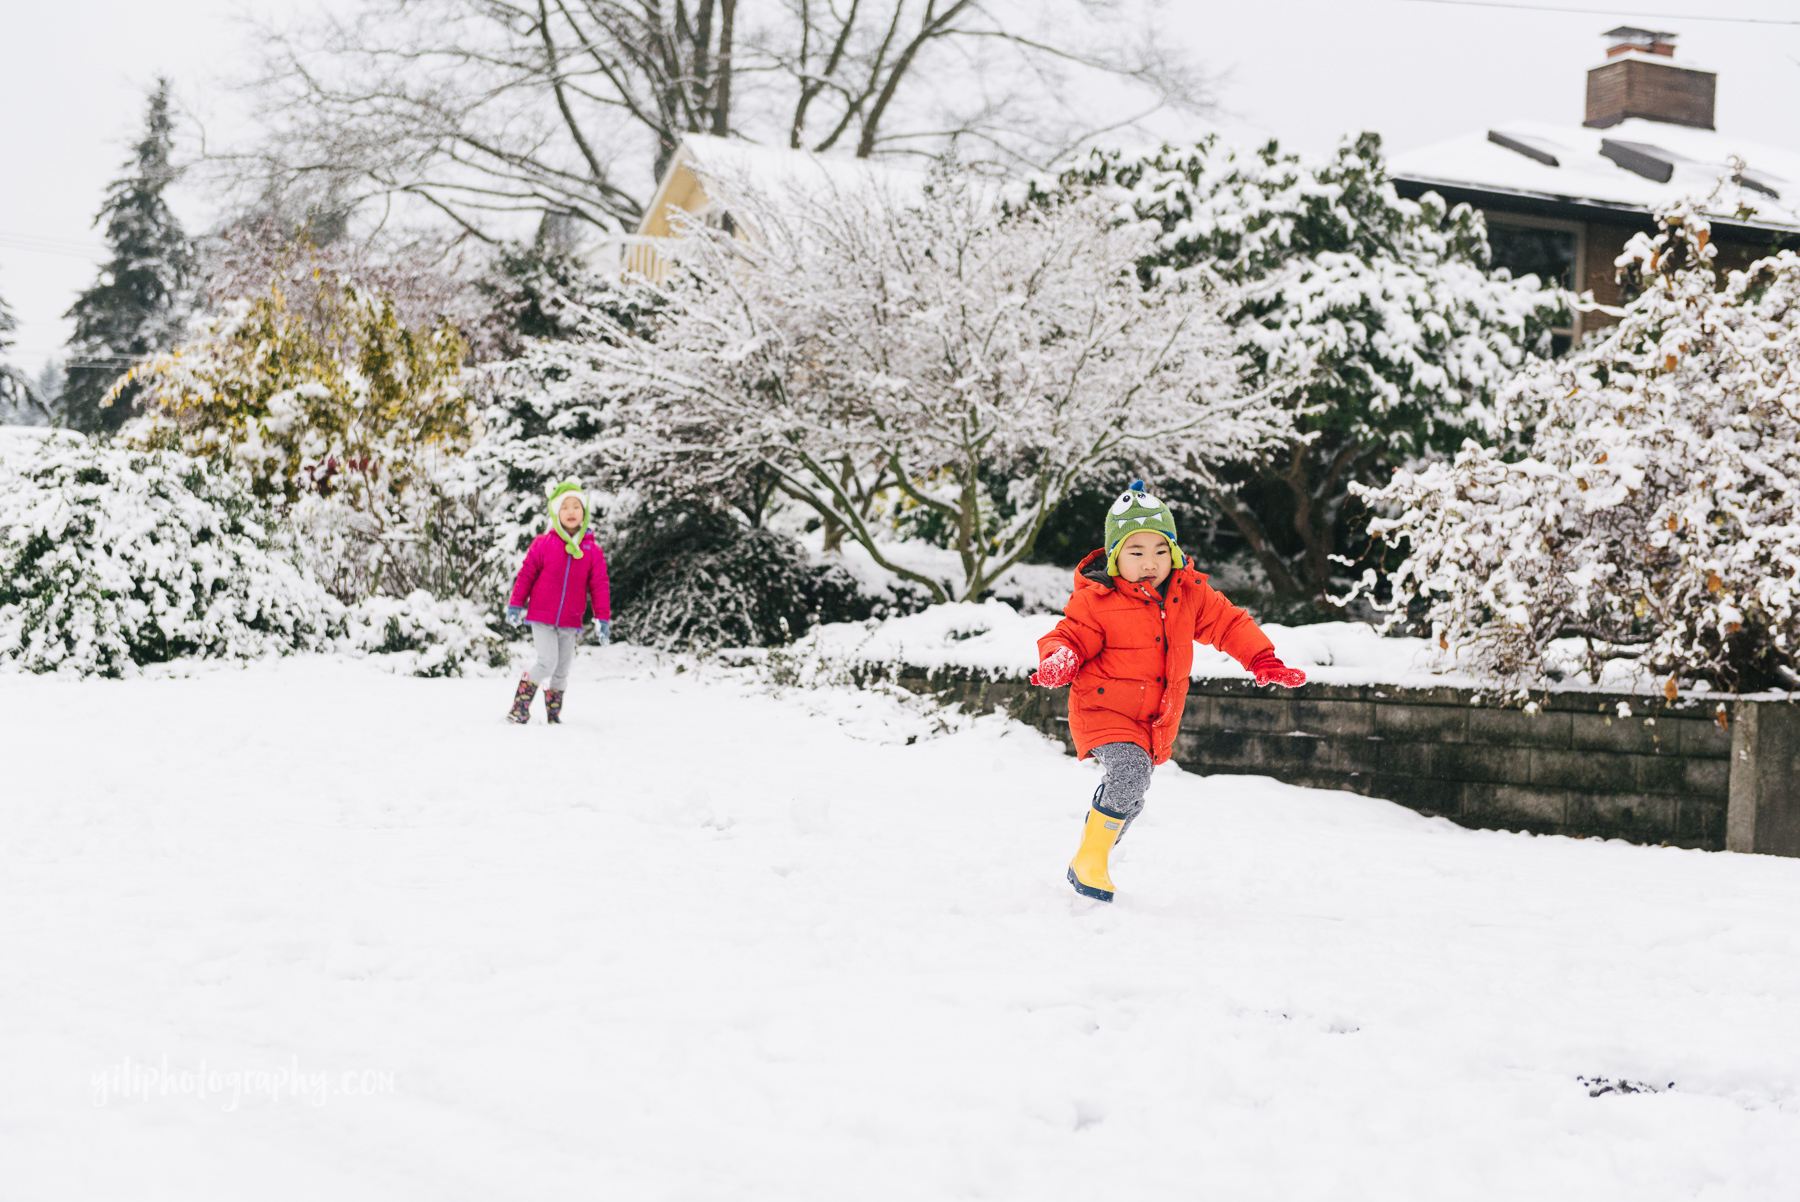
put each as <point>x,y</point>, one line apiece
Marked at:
<point>73,75</point>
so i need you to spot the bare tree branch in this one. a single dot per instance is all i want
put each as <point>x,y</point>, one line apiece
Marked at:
<point>575,107</point>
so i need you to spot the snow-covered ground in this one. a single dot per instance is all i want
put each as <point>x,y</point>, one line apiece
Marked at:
<point>702,942</point>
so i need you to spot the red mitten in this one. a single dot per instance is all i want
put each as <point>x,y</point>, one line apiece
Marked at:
<point>1058,669</point>
<point>1269,670</point>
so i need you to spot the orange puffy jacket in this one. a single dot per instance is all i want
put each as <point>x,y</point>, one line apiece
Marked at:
<point>1136,647</point>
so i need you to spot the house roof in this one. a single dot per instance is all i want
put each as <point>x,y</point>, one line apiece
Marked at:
<point>1633,167</point>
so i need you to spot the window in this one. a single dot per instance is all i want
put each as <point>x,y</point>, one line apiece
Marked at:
<point>1548,249</point>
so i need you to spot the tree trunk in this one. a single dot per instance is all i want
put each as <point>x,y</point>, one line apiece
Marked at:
<point>1251,527</point>
<point>721,107</point>
<point>1315,516</point>
<point>1314,568</point>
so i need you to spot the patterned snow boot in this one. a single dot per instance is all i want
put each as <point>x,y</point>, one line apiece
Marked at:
<point>521,706</point>
<point>553,706</point>
<point>1087,871</point>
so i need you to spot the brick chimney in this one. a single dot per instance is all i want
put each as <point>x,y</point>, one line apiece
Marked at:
<point>1634,81</point>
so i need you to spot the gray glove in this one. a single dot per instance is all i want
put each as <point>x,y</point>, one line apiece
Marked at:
<point>602,631</point>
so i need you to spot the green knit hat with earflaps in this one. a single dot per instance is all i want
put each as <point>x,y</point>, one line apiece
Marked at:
<point>568,488</point>
<point>1137,510</point>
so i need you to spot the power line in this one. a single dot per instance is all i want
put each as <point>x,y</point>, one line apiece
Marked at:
<point>1607,12</point>
<point>52,246</point>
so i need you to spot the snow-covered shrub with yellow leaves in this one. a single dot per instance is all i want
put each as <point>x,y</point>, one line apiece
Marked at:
<point>342,398</point>
<point>1650,510</point>
<point>323,398</point>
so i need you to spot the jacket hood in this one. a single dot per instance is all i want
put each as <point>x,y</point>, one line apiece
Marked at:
<point>569,488</point>
<point>1091,571</point>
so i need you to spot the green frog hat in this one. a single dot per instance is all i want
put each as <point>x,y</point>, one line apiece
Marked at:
<point>569,488</point>
<point>1137,510</point>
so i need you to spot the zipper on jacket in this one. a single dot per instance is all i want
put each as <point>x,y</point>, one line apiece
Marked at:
<point>1162,607</point>
<point>568,562</point>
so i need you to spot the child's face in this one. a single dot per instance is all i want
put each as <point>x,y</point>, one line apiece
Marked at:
<point>1144,558</point>
<point>570,511</point>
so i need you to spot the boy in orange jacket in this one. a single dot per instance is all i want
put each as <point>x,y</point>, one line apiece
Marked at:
<point>1126,642</point>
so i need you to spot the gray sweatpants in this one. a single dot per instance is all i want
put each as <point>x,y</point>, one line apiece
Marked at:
<point>1121,793</point>
<point>555,647</point>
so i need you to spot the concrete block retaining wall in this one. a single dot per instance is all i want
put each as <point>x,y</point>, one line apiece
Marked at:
<point>1669,773</point>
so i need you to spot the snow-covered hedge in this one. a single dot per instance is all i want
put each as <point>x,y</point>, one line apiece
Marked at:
<point>420,635</point>
<point>1656,514</point>
<point>111,559</point>
<point>685,580</point>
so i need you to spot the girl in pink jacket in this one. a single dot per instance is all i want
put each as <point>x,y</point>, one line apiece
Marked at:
<point>563,568</point>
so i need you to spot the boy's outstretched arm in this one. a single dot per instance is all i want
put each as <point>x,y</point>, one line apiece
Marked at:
<point>1219,623</point>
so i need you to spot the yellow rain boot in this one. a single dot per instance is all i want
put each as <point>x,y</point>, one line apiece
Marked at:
<point>1087,871</point>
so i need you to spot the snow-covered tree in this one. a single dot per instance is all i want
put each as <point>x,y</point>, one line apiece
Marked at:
<point>345,399</point>
<point>421,634</point>
<point>548,406</point>
<point>338,409</point>
<point>974,361</point>
<point>690,569</point>
<point>49,388</point>
<point>20,403</point>
<point>112,558</point>
<point>1373,320</point>
<point>483,110</point>
<point>1655,515</point>
<point>142,299</point>
<point>425,279</point>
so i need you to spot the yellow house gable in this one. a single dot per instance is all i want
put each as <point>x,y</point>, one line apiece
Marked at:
<point>680,189</point>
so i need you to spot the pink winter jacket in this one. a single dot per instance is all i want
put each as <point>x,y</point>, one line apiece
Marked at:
<point>554,586</point>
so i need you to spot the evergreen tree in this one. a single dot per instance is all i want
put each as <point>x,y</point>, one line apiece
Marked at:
<point>18,400</point>
<point>141,299</point>
<point>549,412</point>
<point>1375,320</point>
<point>12,381</point>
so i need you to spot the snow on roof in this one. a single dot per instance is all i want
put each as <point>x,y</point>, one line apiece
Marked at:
<point>1655,60</point>
<point>724,164</point>
<point>726,167</point>
<point>1615,167</point>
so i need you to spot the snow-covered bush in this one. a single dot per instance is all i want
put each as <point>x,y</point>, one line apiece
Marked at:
<point>344,399</point>
<point>1372,319</point>
<point>421,635</point>
<point>1656,513</point>
<point>113,558</point>
<point>685,579</point>
<point>321,393</point>
<point>435,536</point>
